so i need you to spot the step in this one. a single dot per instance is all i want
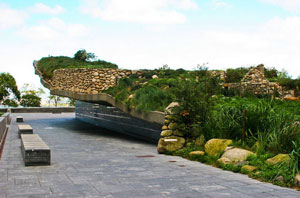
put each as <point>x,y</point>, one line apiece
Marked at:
<point>25,129</point>
<point>19,119</point>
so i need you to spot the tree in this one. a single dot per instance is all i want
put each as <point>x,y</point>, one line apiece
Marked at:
<point>10,103</point>
<point>84,56</point>
<point>71,102</point>
<point>55,99</point>
<point>8,87</point>
<point>30,100</point>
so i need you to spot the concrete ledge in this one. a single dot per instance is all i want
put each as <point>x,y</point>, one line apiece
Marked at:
<point>24,129</point>
<point>40,109</point>
<point>4,121</point>
<point>35,151</point>
<point>152,116</point>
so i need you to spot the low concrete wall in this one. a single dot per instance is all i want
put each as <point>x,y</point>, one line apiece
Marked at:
<point>2,128</point>
<point>40,110</point>
<point>4,120</point>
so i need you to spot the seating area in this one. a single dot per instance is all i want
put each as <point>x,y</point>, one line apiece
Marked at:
<point>35,151</point>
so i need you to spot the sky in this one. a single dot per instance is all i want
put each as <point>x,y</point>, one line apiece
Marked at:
<point>147,34</point>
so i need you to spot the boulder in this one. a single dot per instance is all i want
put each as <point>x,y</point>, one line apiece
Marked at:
<point>169,108</point>
<point>172,126</point>
<point>216,146</point>
<point>248,168</point>
<point>171,143</point>
<point>235,155</point>
<point>164,127</point>
<point>278,159</point>
<point>178,133</point>
<point>196,153</point>
<point>155,76</point>
<point>166,133</point>
<point>297,180</point>
<point>200,141</point>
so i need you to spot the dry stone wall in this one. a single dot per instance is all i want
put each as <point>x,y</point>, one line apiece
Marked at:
<point>90,81</point>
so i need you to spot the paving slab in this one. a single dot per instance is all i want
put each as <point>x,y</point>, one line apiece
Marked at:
<point>88,161</point>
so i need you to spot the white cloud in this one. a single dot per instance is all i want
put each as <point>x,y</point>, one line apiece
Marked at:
<point>10,17</point>
<point>137,11</point>
<point>54,29</point>
<point>218,3</point>
<point>290,5</point>
<point>41,8</point>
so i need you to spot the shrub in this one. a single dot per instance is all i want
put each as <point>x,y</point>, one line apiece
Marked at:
<point>30,100</point>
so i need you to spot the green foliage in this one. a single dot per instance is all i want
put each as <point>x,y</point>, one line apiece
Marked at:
<point>10,103</point>
<point>30,100</point>
<point>8,86</point>
<point>82,55</point>
<point>48,64</point>
<point>235,75</point>
<point>71,102</point>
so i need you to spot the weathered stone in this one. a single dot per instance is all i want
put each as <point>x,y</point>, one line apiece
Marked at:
<point>178,133</point>
<point>236,155</point>
<point>216,146</point>
<point>200,141</point>
<point>169,144</point>
<point>173,126</point>
<point>166,122</point>
<point>248,168</point>
<point>297,180</point>
<point>169,108</point>
<point>155,76</point>
<point>278,159</point>
<point>196,153</point>
<point>164,127</point>
<point>279,178</point>
<point>166,133</point>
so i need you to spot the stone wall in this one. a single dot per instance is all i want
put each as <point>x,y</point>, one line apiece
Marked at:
<point>90,81</point>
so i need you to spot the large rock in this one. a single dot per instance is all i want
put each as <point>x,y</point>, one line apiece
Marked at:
<point>169,108</point>
<point>297,180</point>
<point>166,133</point>
<point>169,144</point>
<point>278,159</point>
<point>235,155</point>
<point>248,168</point>
<point>216,146</point>
<point>196,153</point>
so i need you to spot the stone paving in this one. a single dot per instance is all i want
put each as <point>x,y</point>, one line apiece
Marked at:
<point>91,162</point>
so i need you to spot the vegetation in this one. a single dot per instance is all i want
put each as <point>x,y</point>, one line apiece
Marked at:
<point>8,87</point>
<point>81,60</point>
<point>30,100</point>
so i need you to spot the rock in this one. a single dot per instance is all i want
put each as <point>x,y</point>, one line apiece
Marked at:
<point>172,126</point>
<point>178,133</point>
<point>131,96</point>
<point>164,127</point>
<point>278,159</point>
<point>196,153</point>
<point>297,180</point>
<point>223,160</point>
<point>279,178</point>
<point>200,141</point>
<point>228,148</point>
<point>154,76</point>
<point>166,133</point>
<point>236,155</point>
<point>169,144</point>
<point>248,168</point>
<point>169,108</point>
<point>216,146</point>
<point>166,122</point>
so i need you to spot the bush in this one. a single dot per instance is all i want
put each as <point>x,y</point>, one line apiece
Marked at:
<point>30,100</point>
<point>235,75</point>
<point>10,103</point>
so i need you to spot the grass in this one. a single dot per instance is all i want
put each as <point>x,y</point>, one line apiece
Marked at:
<point>48,64</point>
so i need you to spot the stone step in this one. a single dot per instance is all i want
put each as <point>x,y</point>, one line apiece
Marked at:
<point>35,151</point>
<point>25,129</point>
<point>19,119</point>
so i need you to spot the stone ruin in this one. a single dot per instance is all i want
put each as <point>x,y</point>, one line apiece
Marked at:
<point>256,82</point>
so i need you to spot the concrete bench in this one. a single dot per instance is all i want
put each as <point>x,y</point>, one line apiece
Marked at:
<point>35,151</point>
<point>25,129</point>
<point>19,119</point>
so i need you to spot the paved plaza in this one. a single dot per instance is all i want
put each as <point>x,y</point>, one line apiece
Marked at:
<point>88,161</point>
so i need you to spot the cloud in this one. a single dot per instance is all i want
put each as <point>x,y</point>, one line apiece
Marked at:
<point>137,11</point>
<point>41,8</point>
<point>290,5</point>
<point>10,17</point>
<point>54,29</point>
<point>218,3</point>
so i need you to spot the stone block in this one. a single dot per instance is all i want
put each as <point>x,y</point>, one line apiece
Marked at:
<point>19,119</point>
<point>24,129</point>
<point>35,151</point>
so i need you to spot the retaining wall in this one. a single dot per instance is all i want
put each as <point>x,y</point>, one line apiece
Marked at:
<point>40,110</point>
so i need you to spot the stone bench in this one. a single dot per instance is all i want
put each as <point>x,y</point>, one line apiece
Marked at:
<point>25,129</point>
<point>35,151</point>
<point>19,119</point>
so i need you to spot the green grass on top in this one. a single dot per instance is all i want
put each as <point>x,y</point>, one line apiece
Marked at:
<point>48,64</point>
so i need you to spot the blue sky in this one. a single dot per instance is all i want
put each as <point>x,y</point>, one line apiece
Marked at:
<point>139,34</point>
